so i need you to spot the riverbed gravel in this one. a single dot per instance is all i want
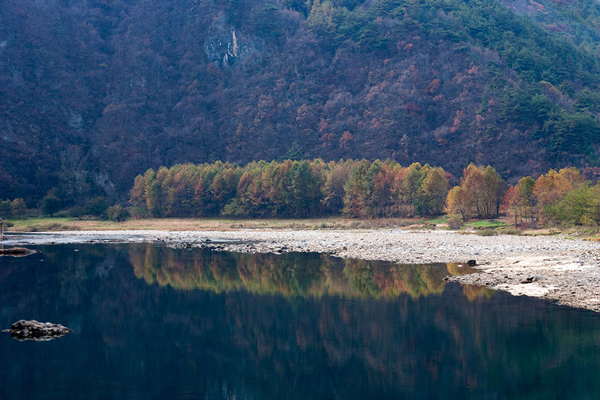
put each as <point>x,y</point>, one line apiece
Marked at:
<point>561,269</point>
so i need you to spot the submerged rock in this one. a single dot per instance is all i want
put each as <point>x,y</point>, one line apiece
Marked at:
<point>17,252</point>
<point>37,331</point>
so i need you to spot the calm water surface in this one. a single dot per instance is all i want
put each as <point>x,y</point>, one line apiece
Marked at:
<point>156,323</point>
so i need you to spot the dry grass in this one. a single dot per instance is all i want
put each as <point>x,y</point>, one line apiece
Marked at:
<point>486,232</point>
<point>218,224</point>
<point>212,224</point>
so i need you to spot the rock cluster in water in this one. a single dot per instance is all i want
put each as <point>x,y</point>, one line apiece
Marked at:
<point>37,331</point>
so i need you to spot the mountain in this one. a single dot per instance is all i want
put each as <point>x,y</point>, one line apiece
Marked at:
<point>94,92</point>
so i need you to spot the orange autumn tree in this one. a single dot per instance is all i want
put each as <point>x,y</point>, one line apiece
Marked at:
<point>433,192</point>
<point>550,189</point>
<point>382,197</point>
<point>408,184</point>
<point>511,204</point>
<point>459,201</point>
<point>480,194</point>
<point>519,201</point>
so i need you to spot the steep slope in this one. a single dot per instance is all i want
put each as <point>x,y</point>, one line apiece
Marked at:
<point>96,91</point>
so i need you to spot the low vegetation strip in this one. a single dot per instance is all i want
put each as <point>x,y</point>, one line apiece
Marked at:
<point>351,189</point>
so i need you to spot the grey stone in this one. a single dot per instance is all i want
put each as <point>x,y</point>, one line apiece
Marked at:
<point>37,331</point>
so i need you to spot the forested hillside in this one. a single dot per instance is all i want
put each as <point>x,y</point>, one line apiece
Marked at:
<point>95,92</point>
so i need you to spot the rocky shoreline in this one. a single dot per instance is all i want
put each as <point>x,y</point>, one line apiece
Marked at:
<point>572,280</point>
<point>565,270</point>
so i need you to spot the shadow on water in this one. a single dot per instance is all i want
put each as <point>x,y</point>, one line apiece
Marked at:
<point>157,323</point>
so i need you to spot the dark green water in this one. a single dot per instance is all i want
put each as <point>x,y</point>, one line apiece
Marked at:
<point>157,323</point>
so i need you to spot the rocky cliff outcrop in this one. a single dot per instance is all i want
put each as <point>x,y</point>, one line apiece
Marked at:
<point>225,47</point>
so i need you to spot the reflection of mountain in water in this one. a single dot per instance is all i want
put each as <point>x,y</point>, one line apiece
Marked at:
<point>132,340</point>
<point>290,274</point>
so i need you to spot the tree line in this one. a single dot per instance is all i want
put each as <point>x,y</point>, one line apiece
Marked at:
<point>563,197</point>
<point>298,189</point>
<point>558,197</point>
<point>349,188</point>
<point>292,189</point>
<point>361,189</point>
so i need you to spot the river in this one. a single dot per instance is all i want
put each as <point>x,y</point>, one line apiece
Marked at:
<point>152,322</point>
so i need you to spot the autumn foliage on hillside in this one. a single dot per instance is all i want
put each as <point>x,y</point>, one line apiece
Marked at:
<point>96,92</point>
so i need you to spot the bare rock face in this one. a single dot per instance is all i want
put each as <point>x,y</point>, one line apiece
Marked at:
<point>38,331</point>
<point>225,47</point>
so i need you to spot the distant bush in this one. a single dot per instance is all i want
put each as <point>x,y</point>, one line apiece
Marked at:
<point>138,212</point>
<point>4,208</point>
<point>486,232</point>
<point>76,212</point>
<point>51,204</point>
<point>18,207</point>
<point>454,222</point>
<point>96,207</point>
<point>118,213</point>
<point>62,214</point>
<point>233,209</point>
<point>510,231</point>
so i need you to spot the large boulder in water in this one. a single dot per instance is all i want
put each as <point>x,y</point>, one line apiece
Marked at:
<point>38,331</point>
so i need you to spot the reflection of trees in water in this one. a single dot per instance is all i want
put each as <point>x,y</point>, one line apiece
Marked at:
<point>390,280</point>
<point>289,274</point>
<point>306,347</point>
<point>472,292</point>
<point>226,272</point>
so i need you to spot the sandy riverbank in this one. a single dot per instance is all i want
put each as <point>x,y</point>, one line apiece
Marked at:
<point>565,270</point>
